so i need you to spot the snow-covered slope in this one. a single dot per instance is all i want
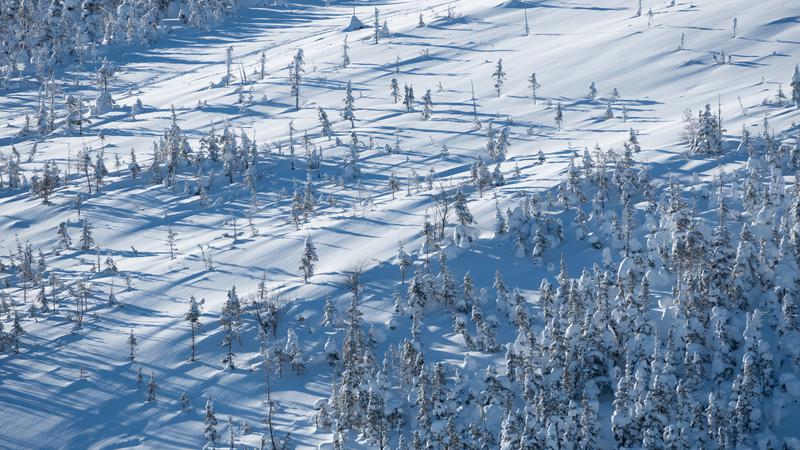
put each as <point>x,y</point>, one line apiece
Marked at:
<point>75,387</point>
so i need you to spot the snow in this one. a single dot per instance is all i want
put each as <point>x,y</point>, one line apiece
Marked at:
<point>46,403</point>
<point>791,385</point>
<point>354,25</point>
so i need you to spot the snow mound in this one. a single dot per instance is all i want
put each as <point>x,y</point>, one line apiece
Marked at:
<point>354,25</point>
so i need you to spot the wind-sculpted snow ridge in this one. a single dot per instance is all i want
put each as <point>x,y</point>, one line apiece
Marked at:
<point>445,225</point>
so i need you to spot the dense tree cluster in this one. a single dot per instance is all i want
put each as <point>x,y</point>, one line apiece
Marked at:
<point>35,36</point>
<point>698,373</point>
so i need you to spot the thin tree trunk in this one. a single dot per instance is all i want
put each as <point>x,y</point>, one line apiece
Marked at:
<point>192,342</point>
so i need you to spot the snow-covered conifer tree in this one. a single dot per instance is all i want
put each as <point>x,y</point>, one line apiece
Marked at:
<point>263,64</point>
<point>193,317</point>
<point>296,75</point>
<point>376,26</point>
<point>230,318</point>
<point>510,433</point>
<point>559,116</point>
<point>795,84</point>
<point>461,209</point>
<point>403,261</point>
<point>87,241</point>
<point>746,410</point>
<point>345,53</point>
<point>132,346</point>
<point>427,108</point>
<point>171,235</point>
<point>151,388</point>
<point>228,65</point>
<point>16,332</point>
<point>609,114</point>
<point>349,105</point>
<point>502,145</point>
<point>64,240</point>
<point>210,424</point>
<point>325,123</point>
<point>298,209</point>
<point>499,77</point>
<point>394,184</point>
<point>133,166</point>
<point>533,84</point>
<point>632,144</point>
<point>329,314</point>
<point>186,404</point>
<point>708,138</point>
<point>293,352</point>
<point>408,98</point>
<point>308,259</point>
<point>395,90</point>
<point>417,294</point>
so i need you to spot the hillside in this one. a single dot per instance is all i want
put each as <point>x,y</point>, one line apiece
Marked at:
<point>579,218</point>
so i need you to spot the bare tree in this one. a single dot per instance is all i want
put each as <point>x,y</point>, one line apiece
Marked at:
<point>444,204</point>
<point>269,359</point>
<point>351,277</point>
<point>265,353</point>
<point>85,163</point>
<point>268,308</point>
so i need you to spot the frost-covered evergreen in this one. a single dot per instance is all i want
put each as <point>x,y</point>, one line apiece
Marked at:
<point>403,261</point>
<point>230,319</point>
<point>408,98</point>
<point>395,90</point>
<point>376,27</point>
<point>708,140</point>
<point>210,424</point>
<point>345,53</point>
<point>296,75</point>
<point>64,240</point>
<point>87,239</point>
<point>427,105</point>
<point>152,388</point>
<point>308,259</point>
<point>132,343</point>
<point>534,85</point>
<point>559,119</point>
<point>461,209</point>
<point>499,76</point>
<point>349,105</point>
<point>193,317</point>
<point>325,123</point>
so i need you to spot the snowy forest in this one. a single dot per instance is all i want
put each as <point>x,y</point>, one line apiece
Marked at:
<point>235,224</point>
